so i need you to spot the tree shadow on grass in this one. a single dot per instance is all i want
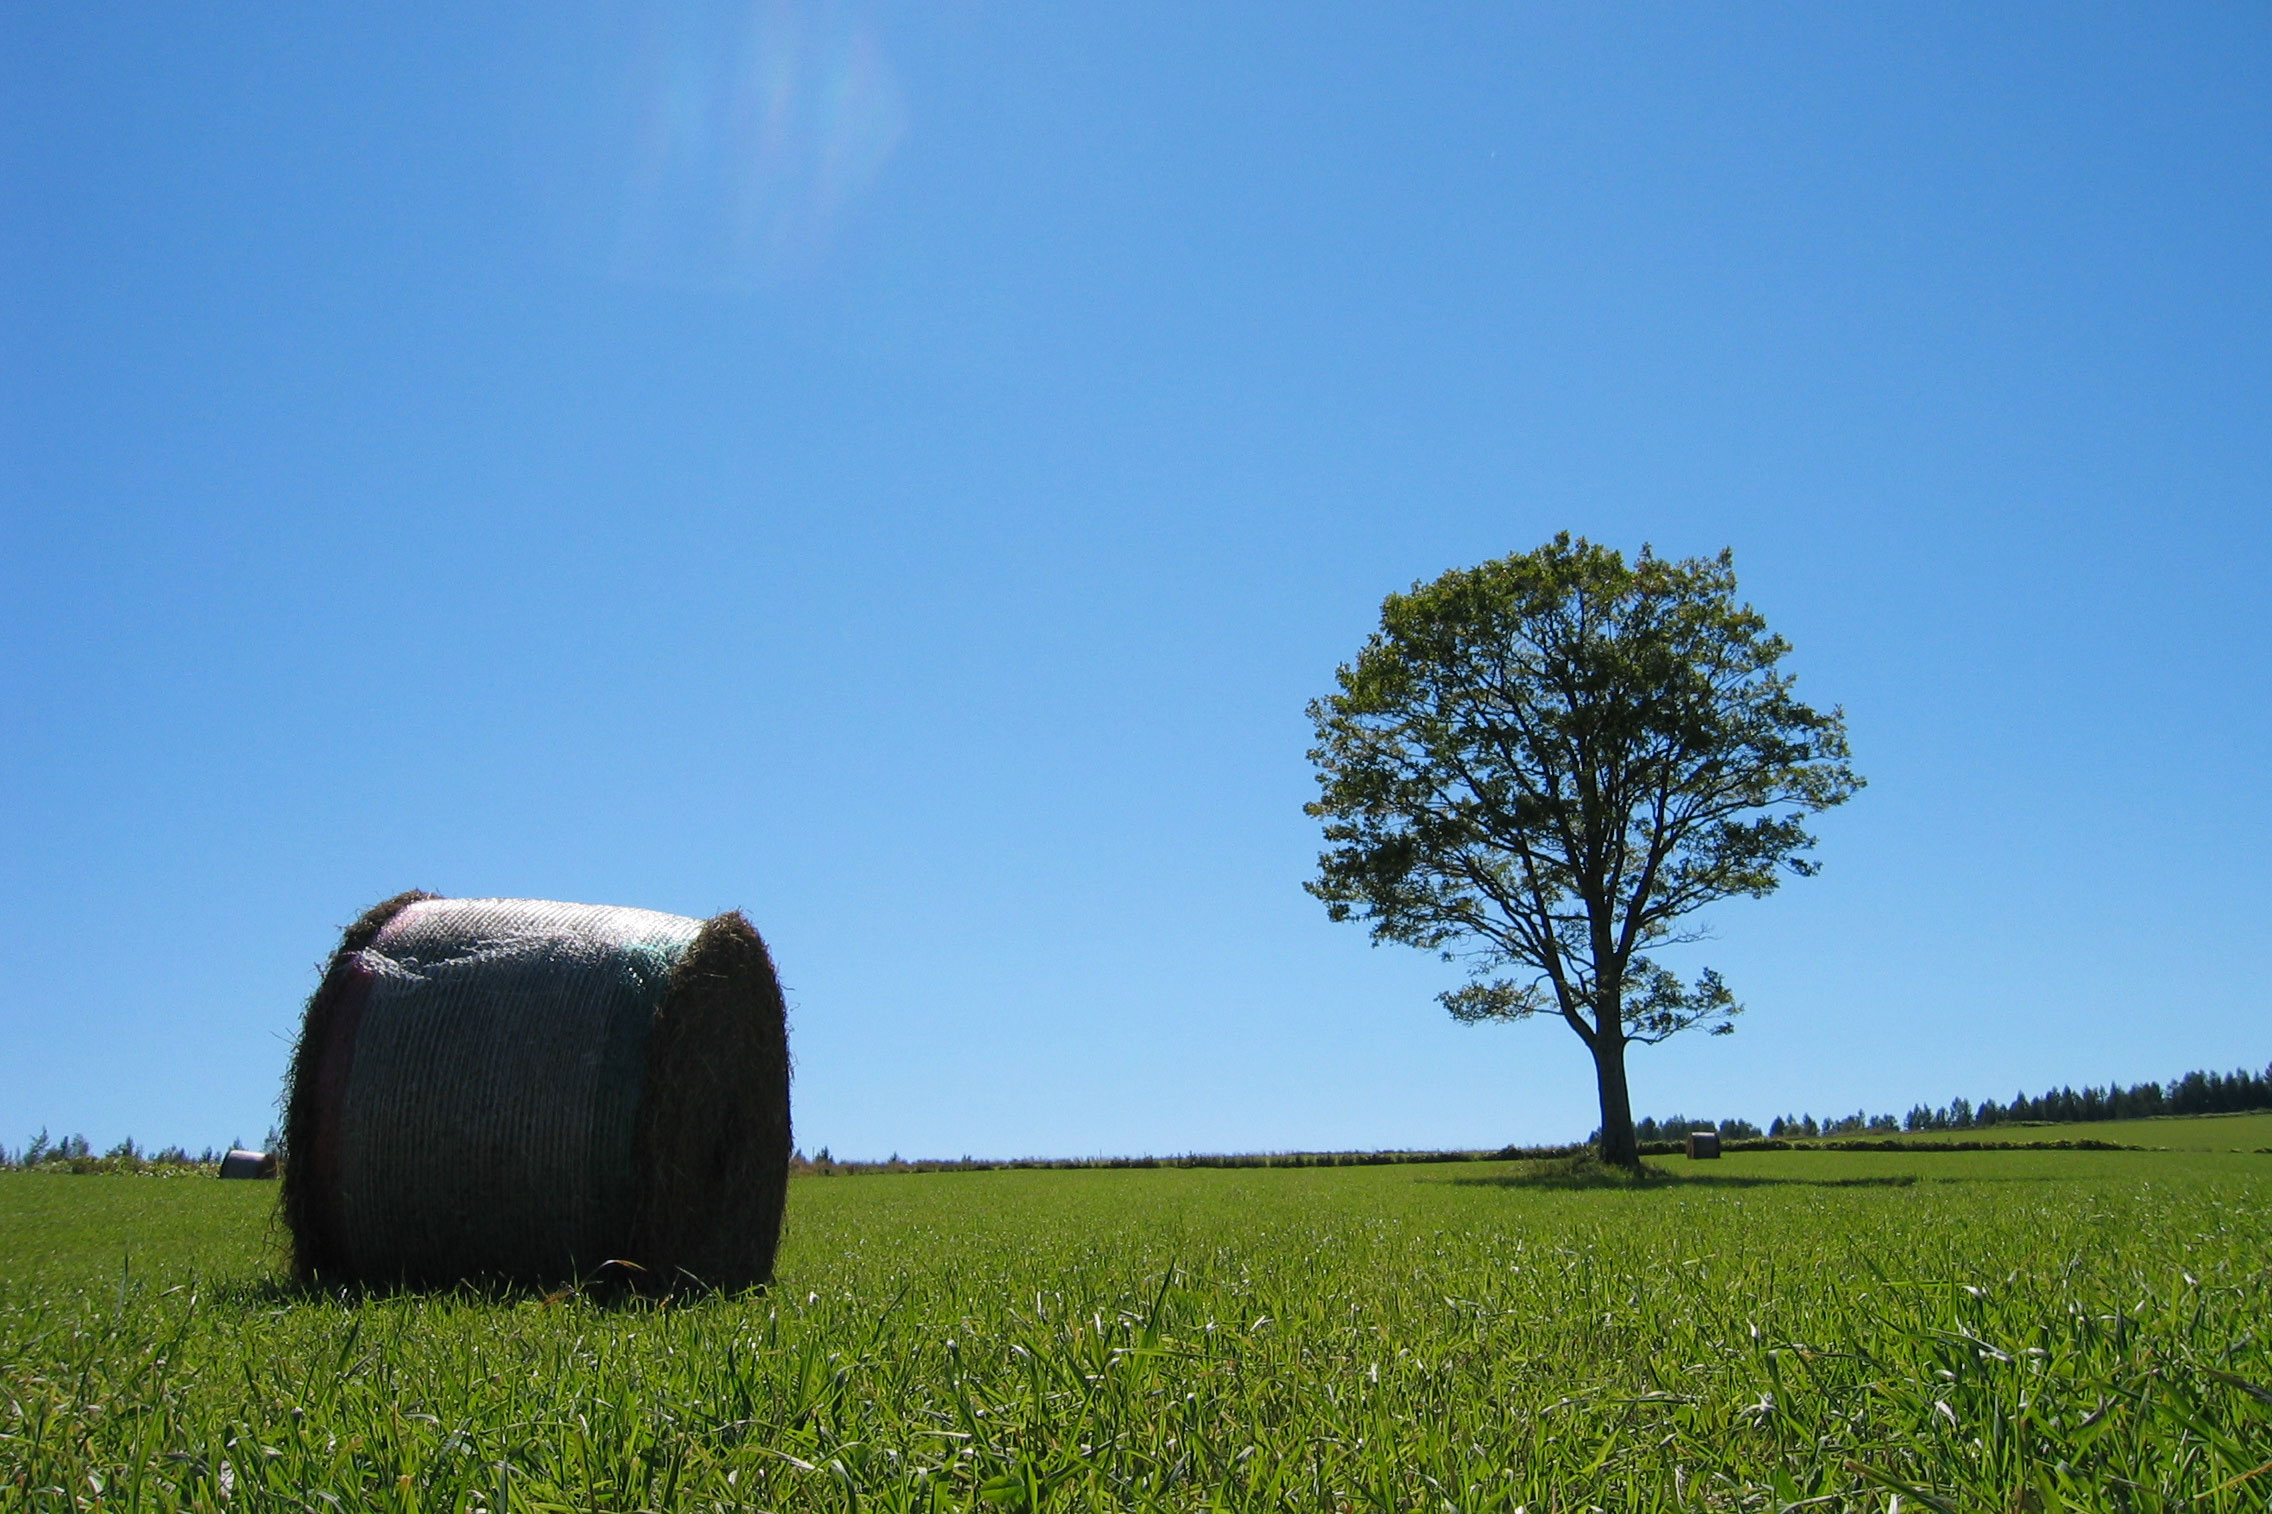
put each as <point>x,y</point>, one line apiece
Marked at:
<point>1566,1174</point>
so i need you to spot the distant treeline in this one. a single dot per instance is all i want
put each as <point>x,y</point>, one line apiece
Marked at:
<point>72,1154</point>
<point>821,1164</point>
<point>1677,1128</point>
<point>1671,1134</point>
<point>2195,1093</point>
<point>1900,1143</point>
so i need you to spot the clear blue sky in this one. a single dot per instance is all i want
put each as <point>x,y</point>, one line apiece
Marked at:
<point>902,472</point>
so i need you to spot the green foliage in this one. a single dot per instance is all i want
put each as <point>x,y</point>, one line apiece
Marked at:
<point>1543,763</point>
<point>2227,1133</point>
<point>1678,1126</point>
<point>2197,1092</point>
<point>73,1155</point>
<point>2010,1330</point>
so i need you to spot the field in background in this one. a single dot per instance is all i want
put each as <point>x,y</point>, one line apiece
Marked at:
<point>1966,1330</point>
<point>2205,1132</point>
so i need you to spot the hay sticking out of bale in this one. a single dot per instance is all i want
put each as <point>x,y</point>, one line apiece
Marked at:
<point>518,1090</point>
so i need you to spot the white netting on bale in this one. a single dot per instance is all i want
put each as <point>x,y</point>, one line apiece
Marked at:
<point>523,1090</point>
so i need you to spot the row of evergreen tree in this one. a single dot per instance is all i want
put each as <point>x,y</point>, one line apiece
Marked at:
<point>1678,1127</point>
<point>73,1154</point>
<point>2195,1093</point>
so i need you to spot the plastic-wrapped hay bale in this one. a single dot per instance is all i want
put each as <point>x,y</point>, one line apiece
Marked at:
<point>520,1090</point>
<point>248,1164</point>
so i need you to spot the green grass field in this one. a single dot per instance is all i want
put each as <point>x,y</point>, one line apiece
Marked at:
<point>1990,1331</point>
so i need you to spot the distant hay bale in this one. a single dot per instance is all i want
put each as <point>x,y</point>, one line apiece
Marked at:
<point>1703,1144</point>
<point>523,1091</point>
<point>248,1164</point>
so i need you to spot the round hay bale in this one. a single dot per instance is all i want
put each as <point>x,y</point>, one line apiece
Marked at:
<point>523,1091</point>
<point>248,1164</point>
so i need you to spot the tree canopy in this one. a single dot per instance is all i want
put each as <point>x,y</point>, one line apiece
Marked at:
<point>1543,764</point>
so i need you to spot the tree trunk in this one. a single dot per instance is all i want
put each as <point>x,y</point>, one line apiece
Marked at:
<point>1618,1148</point>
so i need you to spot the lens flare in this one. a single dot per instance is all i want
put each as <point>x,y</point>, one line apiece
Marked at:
<point>757,127</point>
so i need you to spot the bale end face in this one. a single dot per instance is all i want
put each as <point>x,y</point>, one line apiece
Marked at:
<point>713,1139</point>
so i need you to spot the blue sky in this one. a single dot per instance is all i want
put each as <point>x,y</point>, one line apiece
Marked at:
<point>902,471</point>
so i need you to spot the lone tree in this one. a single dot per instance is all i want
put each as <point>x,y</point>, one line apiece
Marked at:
<point>1542,764</point>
